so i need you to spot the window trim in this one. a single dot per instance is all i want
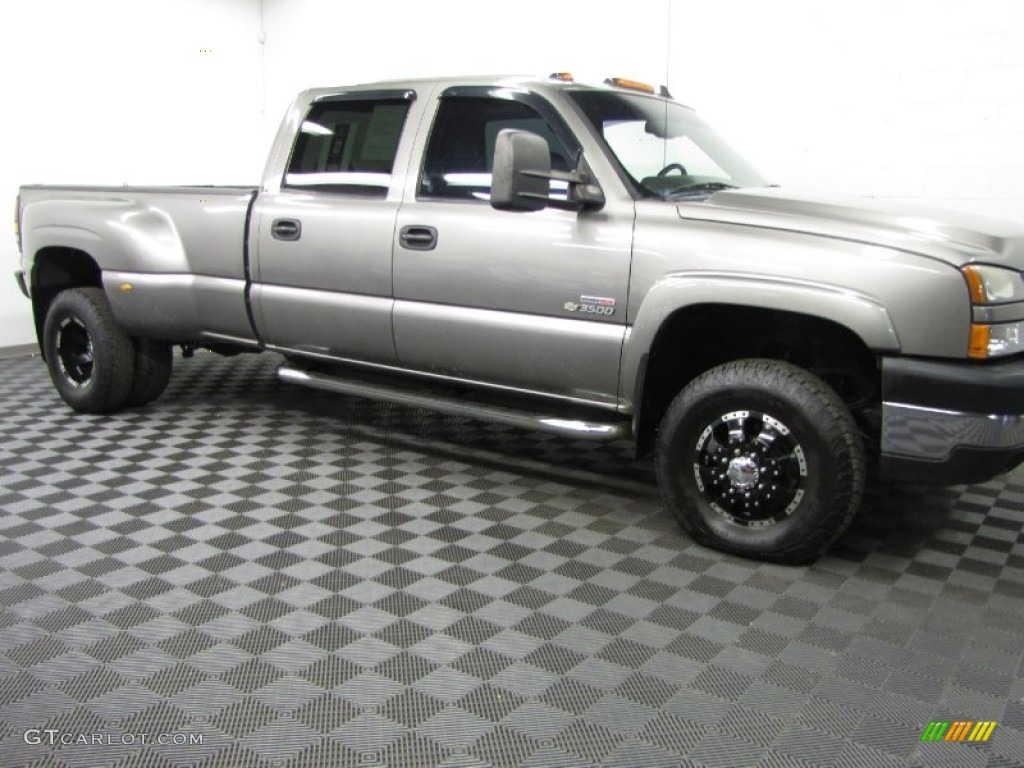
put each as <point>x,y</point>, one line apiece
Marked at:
<point>544,108</point>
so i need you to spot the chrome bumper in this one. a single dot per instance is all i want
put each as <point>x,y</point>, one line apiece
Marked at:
<point>943,447</point>
<point>948,422</point>
<point>933,434</point>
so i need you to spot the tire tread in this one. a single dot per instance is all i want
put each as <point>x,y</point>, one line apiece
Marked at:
<point>824,407</point>
<point>154,362</point>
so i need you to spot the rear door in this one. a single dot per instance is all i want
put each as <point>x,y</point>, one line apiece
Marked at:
<point>322,269</point>
<point>533,301</point>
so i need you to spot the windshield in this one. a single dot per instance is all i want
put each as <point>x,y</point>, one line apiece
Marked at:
<point>663,147</point>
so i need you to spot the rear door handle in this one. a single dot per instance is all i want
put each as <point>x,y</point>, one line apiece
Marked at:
<point>418,238</point>
<point>286,229</point>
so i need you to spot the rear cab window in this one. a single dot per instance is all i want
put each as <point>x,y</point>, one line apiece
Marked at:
<point>348,146</point>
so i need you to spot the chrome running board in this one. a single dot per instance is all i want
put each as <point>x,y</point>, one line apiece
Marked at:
<point>586,429</point>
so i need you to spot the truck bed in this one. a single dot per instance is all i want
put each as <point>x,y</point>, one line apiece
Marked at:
<point>179,251</point>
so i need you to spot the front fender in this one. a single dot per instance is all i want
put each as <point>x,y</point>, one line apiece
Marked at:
<point>860,314</point>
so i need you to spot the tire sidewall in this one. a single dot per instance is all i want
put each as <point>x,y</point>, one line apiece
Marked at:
<point>678,453</point>
<point>107,385</point>
<point>71,391</point>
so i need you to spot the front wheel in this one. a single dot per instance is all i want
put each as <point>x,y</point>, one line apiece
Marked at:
<point>763,459</point>
<point>91,359</point>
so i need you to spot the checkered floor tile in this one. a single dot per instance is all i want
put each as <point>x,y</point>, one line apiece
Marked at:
<point>249,574</point>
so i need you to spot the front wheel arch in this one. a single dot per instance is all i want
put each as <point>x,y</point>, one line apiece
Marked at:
<point>683,349</point>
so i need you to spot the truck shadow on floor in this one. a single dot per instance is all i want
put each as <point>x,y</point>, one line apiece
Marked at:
<point>895,521</point>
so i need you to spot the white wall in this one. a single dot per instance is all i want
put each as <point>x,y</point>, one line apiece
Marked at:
<point>911,99</point>
<point>122,91</point>
<point>906,98</point>
<point>324,42</point>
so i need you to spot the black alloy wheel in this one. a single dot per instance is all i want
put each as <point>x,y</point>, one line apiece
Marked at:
<point>751,469</point>
<point>74,351</point>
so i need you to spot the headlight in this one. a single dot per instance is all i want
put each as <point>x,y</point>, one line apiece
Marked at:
<point>993,285</point>
<point>996,329</point>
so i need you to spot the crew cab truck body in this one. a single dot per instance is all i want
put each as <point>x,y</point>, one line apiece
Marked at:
<point>593,261</point>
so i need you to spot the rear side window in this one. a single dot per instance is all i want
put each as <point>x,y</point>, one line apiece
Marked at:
<point>348,146</point>
<point>457,165</point>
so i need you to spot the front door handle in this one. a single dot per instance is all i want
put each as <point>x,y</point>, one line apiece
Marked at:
<point>418,238</point>
<point>286,229</point>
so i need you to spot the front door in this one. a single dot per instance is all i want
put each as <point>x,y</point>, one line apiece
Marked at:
<point>533,301</point>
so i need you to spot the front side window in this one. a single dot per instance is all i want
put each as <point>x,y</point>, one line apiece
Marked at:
<point>460,153</point>
<point>664,148</point>
<point>348,145</point>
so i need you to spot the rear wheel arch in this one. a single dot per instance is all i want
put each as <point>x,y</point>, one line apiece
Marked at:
<point>55,269</point>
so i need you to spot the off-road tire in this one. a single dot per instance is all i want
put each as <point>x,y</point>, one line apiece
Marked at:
<point>91,359</point>
<point>805,467</point>
<point>154,361</point>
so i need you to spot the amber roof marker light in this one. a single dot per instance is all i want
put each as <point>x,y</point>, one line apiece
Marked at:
<point>633,85</point>
<point>618,82</point>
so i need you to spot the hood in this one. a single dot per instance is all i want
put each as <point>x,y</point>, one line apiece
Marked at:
<point>952,236</point>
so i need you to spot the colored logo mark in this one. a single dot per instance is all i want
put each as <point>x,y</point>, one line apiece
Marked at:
<point>958,730</point>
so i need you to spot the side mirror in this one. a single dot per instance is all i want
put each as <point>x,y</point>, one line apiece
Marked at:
<point>521,172</point>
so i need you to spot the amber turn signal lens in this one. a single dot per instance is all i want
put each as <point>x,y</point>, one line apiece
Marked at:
<point>980,335</point>
<point>975,285</point>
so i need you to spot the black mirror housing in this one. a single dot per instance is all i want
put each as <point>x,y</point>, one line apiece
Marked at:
<point>521,175</point>
<point>522,163</point>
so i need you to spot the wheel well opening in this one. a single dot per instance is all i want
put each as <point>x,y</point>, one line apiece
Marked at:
<point>696,339</point>
<point>57,269</point>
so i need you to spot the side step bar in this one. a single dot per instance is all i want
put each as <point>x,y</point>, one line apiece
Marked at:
<point>526,418</point>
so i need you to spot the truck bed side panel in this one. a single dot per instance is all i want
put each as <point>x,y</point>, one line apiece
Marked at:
<point>180,249</point>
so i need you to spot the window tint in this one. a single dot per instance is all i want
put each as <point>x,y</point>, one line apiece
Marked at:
<point>459,155</point>
<point>348,146</point>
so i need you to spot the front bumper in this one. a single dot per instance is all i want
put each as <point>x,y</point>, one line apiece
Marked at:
<point>20,277</point>
<point>947,423</point>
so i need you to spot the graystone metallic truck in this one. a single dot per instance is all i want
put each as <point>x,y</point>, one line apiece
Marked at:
<point>592,261</point>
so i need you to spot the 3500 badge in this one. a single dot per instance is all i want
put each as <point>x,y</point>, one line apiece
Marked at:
<point>591,305</point>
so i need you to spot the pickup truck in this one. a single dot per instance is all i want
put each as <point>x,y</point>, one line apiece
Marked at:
<point>591,260</point>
